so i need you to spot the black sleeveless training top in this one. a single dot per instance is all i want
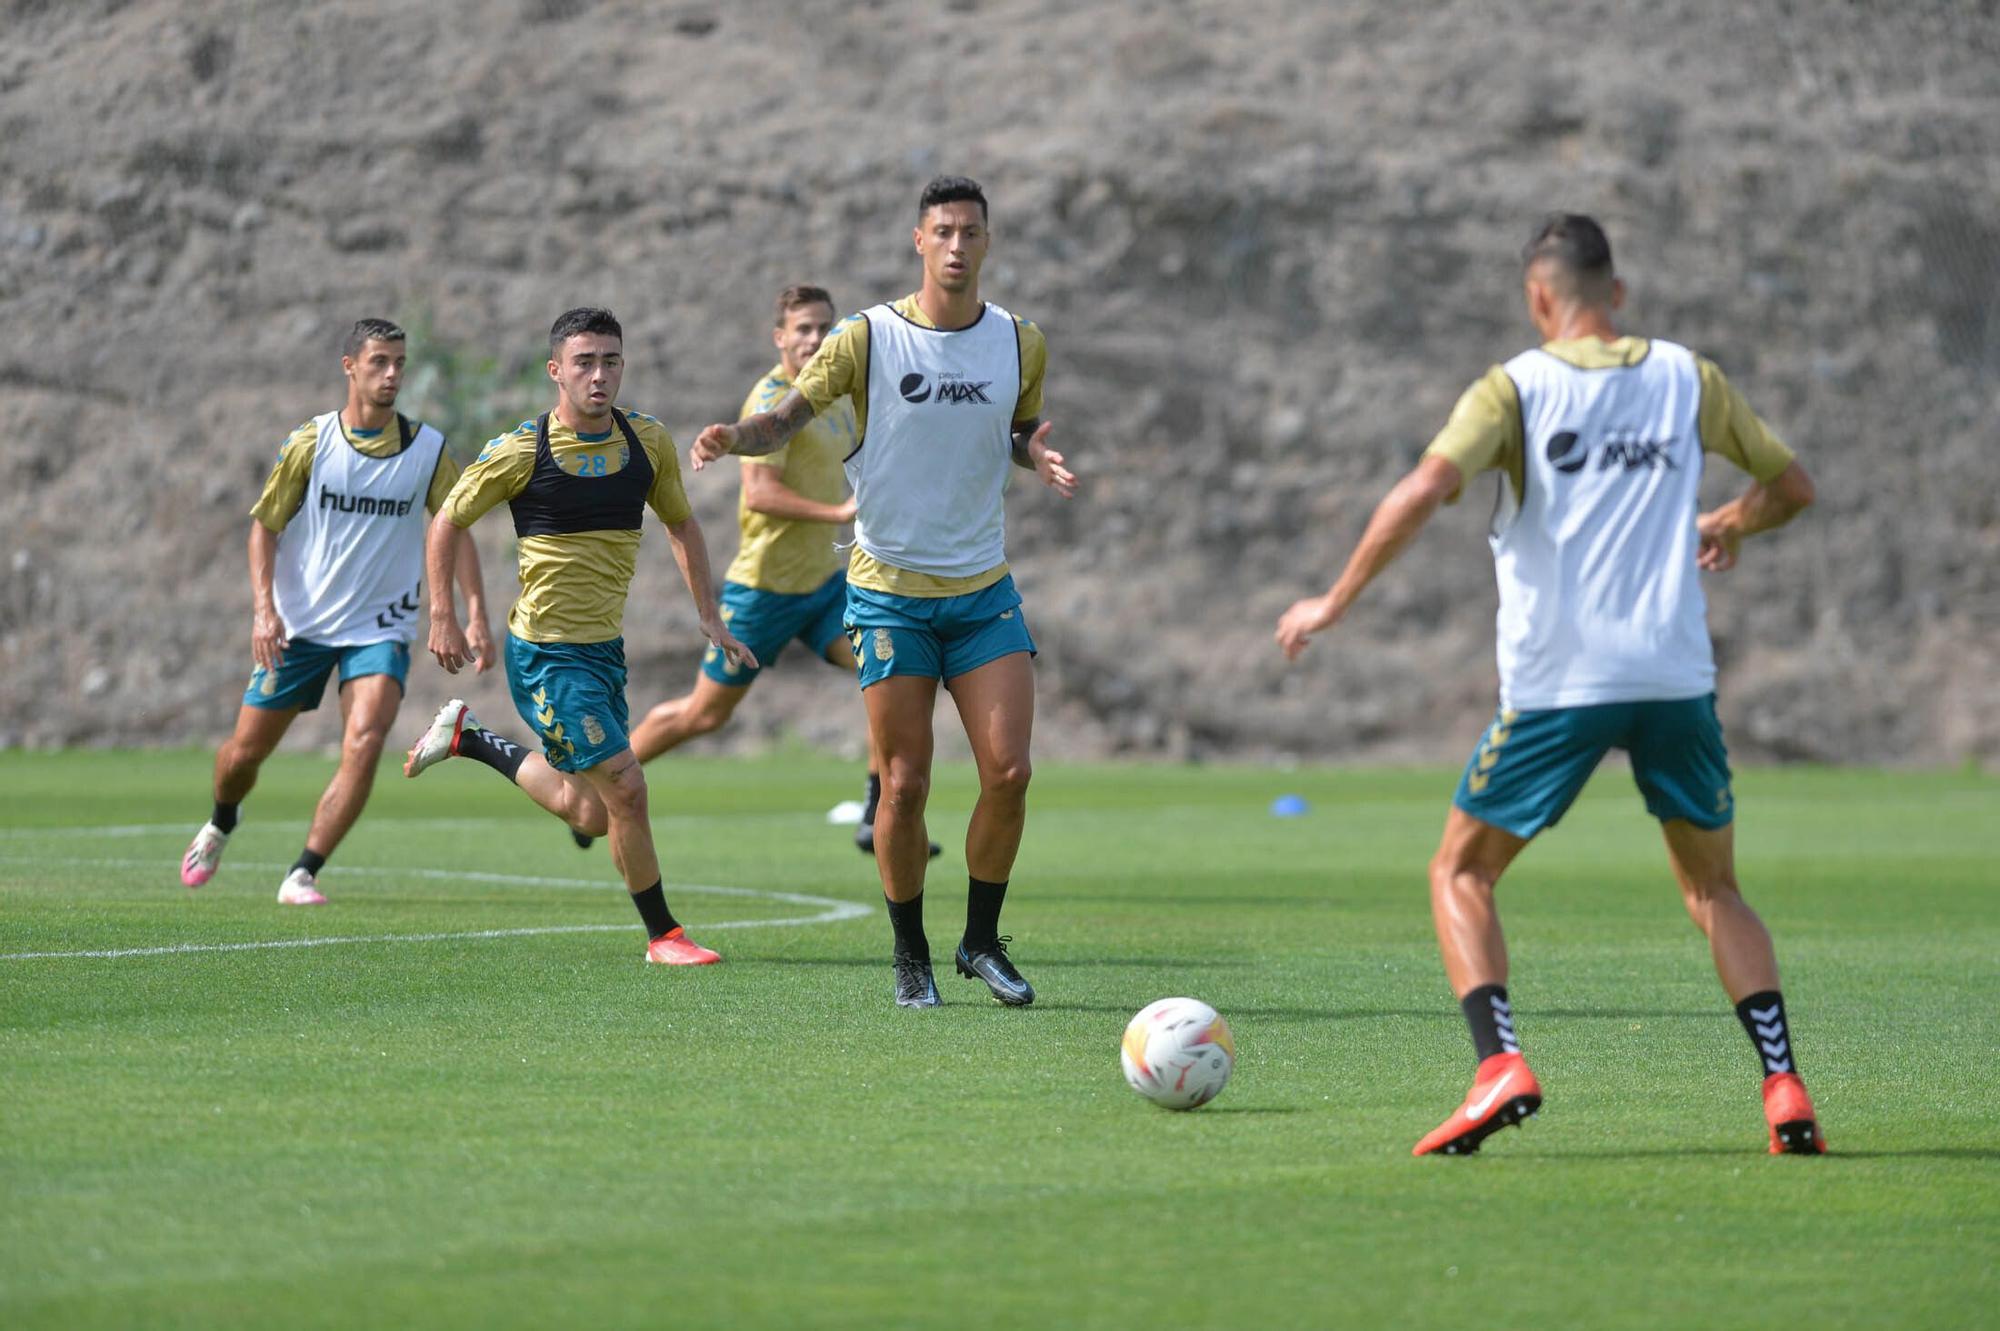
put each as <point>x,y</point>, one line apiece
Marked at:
<point>555,503</point>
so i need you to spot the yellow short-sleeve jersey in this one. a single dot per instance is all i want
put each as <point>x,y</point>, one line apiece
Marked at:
<point>790,555</point>
<point>1731,430</point>
<point>1484,430</point>
<point>285,487</point>
<point>840,369</point>
<point>573,584</point>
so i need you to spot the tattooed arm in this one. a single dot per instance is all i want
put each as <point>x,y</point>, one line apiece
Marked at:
<point>753,436</point>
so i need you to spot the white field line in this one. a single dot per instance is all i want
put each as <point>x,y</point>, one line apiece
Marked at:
<point>833,910</point>
<point>187,826</point>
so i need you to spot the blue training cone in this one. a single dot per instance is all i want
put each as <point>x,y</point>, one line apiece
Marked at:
<point>1288,806</point>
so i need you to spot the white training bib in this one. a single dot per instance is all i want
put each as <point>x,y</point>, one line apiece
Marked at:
<point>1600,599</point>
<point>930,472</point>
<point>351,561</point>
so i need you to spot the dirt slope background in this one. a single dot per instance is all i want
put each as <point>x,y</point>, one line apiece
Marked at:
<point>1269,243</point>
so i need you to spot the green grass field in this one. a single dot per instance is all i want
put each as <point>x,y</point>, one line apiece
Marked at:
<point>423,1126</point>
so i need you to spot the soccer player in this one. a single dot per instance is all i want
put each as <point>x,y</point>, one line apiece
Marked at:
<point>1603,642</point>
<point>788,579</point>
<point>578,480</point>
<point>947,391</point>
<point>336,568</point>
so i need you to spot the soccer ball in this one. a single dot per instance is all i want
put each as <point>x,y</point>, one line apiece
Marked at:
<point>1178,1053</point>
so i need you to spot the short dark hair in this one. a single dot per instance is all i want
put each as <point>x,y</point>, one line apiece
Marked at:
<point>366,331</point>
<point>951,189</point>
<point>802,294</point>
<point>584,319</point>
<point>1577,245</point>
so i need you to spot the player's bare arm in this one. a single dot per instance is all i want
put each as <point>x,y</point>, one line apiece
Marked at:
<point>472,586</point>
<point>1395,523</point>
<point>448,642</point>
<point>691,553</point>
<point>267,629</point>
<point>753,436</point>
<point>764,491</point>
<point>1032,453</point>
<point>1765,505</point>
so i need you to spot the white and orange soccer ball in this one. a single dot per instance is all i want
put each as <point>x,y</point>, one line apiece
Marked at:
<point>1178,1053</point>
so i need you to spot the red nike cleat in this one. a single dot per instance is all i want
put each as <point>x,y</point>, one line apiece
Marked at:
<point>1789,1111</point>
<point>1503,1093</point>
<point>675,948</point>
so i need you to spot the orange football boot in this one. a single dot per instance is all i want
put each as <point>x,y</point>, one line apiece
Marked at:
<point>1789,1111</point>
<point>675,948</point>
<point>1503,1093</point>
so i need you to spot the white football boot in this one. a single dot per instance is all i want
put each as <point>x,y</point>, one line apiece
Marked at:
<point>299,889</point>
<point>204,853</point>
<point>440,741</point>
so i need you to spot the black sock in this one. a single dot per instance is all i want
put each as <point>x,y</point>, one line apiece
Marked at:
<point>1763,1018</point>
<point>874,798</point>
<point>502,755</point>
<point>311,861</point>
<point>1492,1021</point>
<point>982,913</point>
<point>652,904</point>
<point>224,817</point>
<point>907,919</point>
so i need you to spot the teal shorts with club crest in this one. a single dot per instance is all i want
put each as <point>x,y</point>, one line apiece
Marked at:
<point>940,637</point>
<point>1530,765</point>
<point>572,695</point>
<point>303,668</point>
<point>766,622</point>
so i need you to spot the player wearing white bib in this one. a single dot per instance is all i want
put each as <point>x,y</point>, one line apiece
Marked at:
<point>789,580</point>
<point>336,576</point>
<point>1598,546</point>
<point>947,394</point>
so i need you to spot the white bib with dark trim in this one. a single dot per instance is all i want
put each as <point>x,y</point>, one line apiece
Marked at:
<point>351,562</point>
<point>930,473</point>
<point>1600,599</point>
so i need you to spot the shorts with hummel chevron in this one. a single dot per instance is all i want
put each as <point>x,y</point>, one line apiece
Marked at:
<point>1529,765</point>
<point>572,695</point>
<point>304,667</point>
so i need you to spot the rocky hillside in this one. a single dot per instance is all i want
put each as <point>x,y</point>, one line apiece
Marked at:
<point>1269,243</point>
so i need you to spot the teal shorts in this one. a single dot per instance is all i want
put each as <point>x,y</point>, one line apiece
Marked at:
<point>939,637</point>
<point>1529,766</point>
<point>573,696</point>
<point>300,679</point>
<point>766,622</point>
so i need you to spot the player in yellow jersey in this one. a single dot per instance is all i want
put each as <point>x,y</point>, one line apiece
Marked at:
<point>947,393</point>
<point>1598,547</point>
<point>789,579</point>
<point>578,480</point>
<point>336,568</point>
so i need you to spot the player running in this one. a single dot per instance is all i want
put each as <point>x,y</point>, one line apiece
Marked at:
<point>947,391</point>
<point>788,579</point>
<point>578,480</point>
<point>1603,642</point>
<point>336,578</point>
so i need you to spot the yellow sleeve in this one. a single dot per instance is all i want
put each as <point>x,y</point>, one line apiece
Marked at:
<point>1034,361</point>
<point>839,368</point>
<point>667,496</point>
<point>500,472</point>
<point>443,478</point>
<point>1729,428</point>
<point>768,393</point>
<point>1484,431</point>
<point>285,490</point>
